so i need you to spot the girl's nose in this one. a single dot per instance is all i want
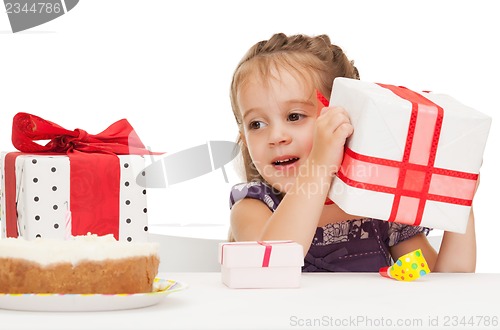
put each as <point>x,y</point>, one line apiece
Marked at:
<point>279,136</point>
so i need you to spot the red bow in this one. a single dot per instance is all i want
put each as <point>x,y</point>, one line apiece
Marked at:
<point>119,138</point>
<point>94,212</point>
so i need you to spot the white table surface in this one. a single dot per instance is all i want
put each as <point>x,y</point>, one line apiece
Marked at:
<point>326,300</point>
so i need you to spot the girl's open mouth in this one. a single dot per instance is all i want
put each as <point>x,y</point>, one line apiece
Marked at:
<point>285,162</point>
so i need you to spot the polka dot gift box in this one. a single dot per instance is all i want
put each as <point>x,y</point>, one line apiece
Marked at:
<point>407,268</point>
<point>59,193</point>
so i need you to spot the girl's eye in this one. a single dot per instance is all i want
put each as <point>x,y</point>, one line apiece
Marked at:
<point>256,124</point>
<point>295,116</point>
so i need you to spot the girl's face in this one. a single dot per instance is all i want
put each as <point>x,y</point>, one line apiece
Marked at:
<point>278,125</point>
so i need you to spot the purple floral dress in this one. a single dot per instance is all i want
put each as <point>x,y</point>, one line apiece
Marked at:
<point>360,245</point>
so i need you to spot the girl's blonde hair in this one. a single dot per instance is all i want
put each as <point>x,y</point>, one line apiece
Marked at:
<point>313,59</point>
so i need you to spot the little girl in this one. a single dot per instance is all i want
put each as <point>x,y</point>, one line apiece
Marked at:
<point>292,148</point>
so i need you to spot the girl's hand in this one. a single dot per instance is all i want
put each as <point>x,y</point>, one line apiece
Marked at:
<point>332,129</point>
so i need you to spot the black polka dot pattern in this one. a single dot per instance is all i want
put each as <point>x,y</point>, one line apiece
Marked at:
<point>47,187</point>
<point>134,221</point>
<point>46,194</point>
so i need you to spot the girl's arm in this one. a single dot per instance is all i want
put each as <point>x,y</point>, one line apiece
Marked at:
<point>457,253</point>
<point>418,241</point>
<point>297,216</point>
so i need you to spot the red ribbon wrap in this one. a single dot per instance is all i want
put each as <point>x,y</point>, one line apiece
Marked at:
<point>93,163</point>
<point>413,180</point>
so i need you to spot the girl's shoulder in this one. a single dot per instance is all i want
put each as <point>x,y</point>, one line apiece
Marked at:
<point>256,190</point>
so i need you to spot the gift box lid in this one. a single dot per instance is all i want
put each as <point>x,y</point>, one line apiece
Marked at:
<point>380,119</point>
<point>261,254</point>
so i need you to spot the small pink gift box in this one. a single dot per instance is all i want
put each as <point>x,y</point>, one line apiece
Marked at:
<point>267,264</point>
<point>414,158</point>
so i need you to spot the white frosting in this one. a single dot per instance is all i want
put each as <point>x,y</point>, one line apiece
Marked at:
<point>90,247</point>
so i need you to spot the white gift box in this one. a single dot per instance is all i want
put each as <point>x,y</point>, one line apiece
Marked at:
<point>268,264</point>
<point>42,197</point>
<point>413,158</point>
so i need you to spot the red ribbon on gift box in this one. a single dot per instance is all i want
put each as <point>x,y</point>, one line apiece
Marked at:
<point>413,180</point>
<point>95,213</point>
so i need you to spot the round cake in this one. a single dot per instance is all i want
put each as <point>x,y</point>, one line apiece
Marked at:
<point>82,264</point>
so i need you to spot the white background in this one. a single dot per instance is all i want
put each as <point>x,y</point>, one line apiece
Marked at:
<point>111,59</point>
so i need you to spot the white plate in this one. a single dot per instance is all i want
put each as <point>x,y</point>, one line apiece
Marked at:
<point>89,302</point>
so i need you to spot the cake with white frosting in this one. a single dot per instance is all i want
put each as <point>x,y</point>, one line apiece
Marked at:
<point>83,264</point>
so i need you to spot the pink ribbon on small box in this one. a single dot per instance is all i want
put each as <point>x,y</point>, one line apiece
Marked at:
<point>267,253</point>
<point>414,179</point>
<point>268,246</point>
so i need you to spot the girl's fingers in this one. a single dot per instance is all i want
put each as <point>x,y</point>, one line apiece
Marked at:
<point>343,131</point>
<point>332,119</point>
<point>334,110</point>
<point>333,127</point>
